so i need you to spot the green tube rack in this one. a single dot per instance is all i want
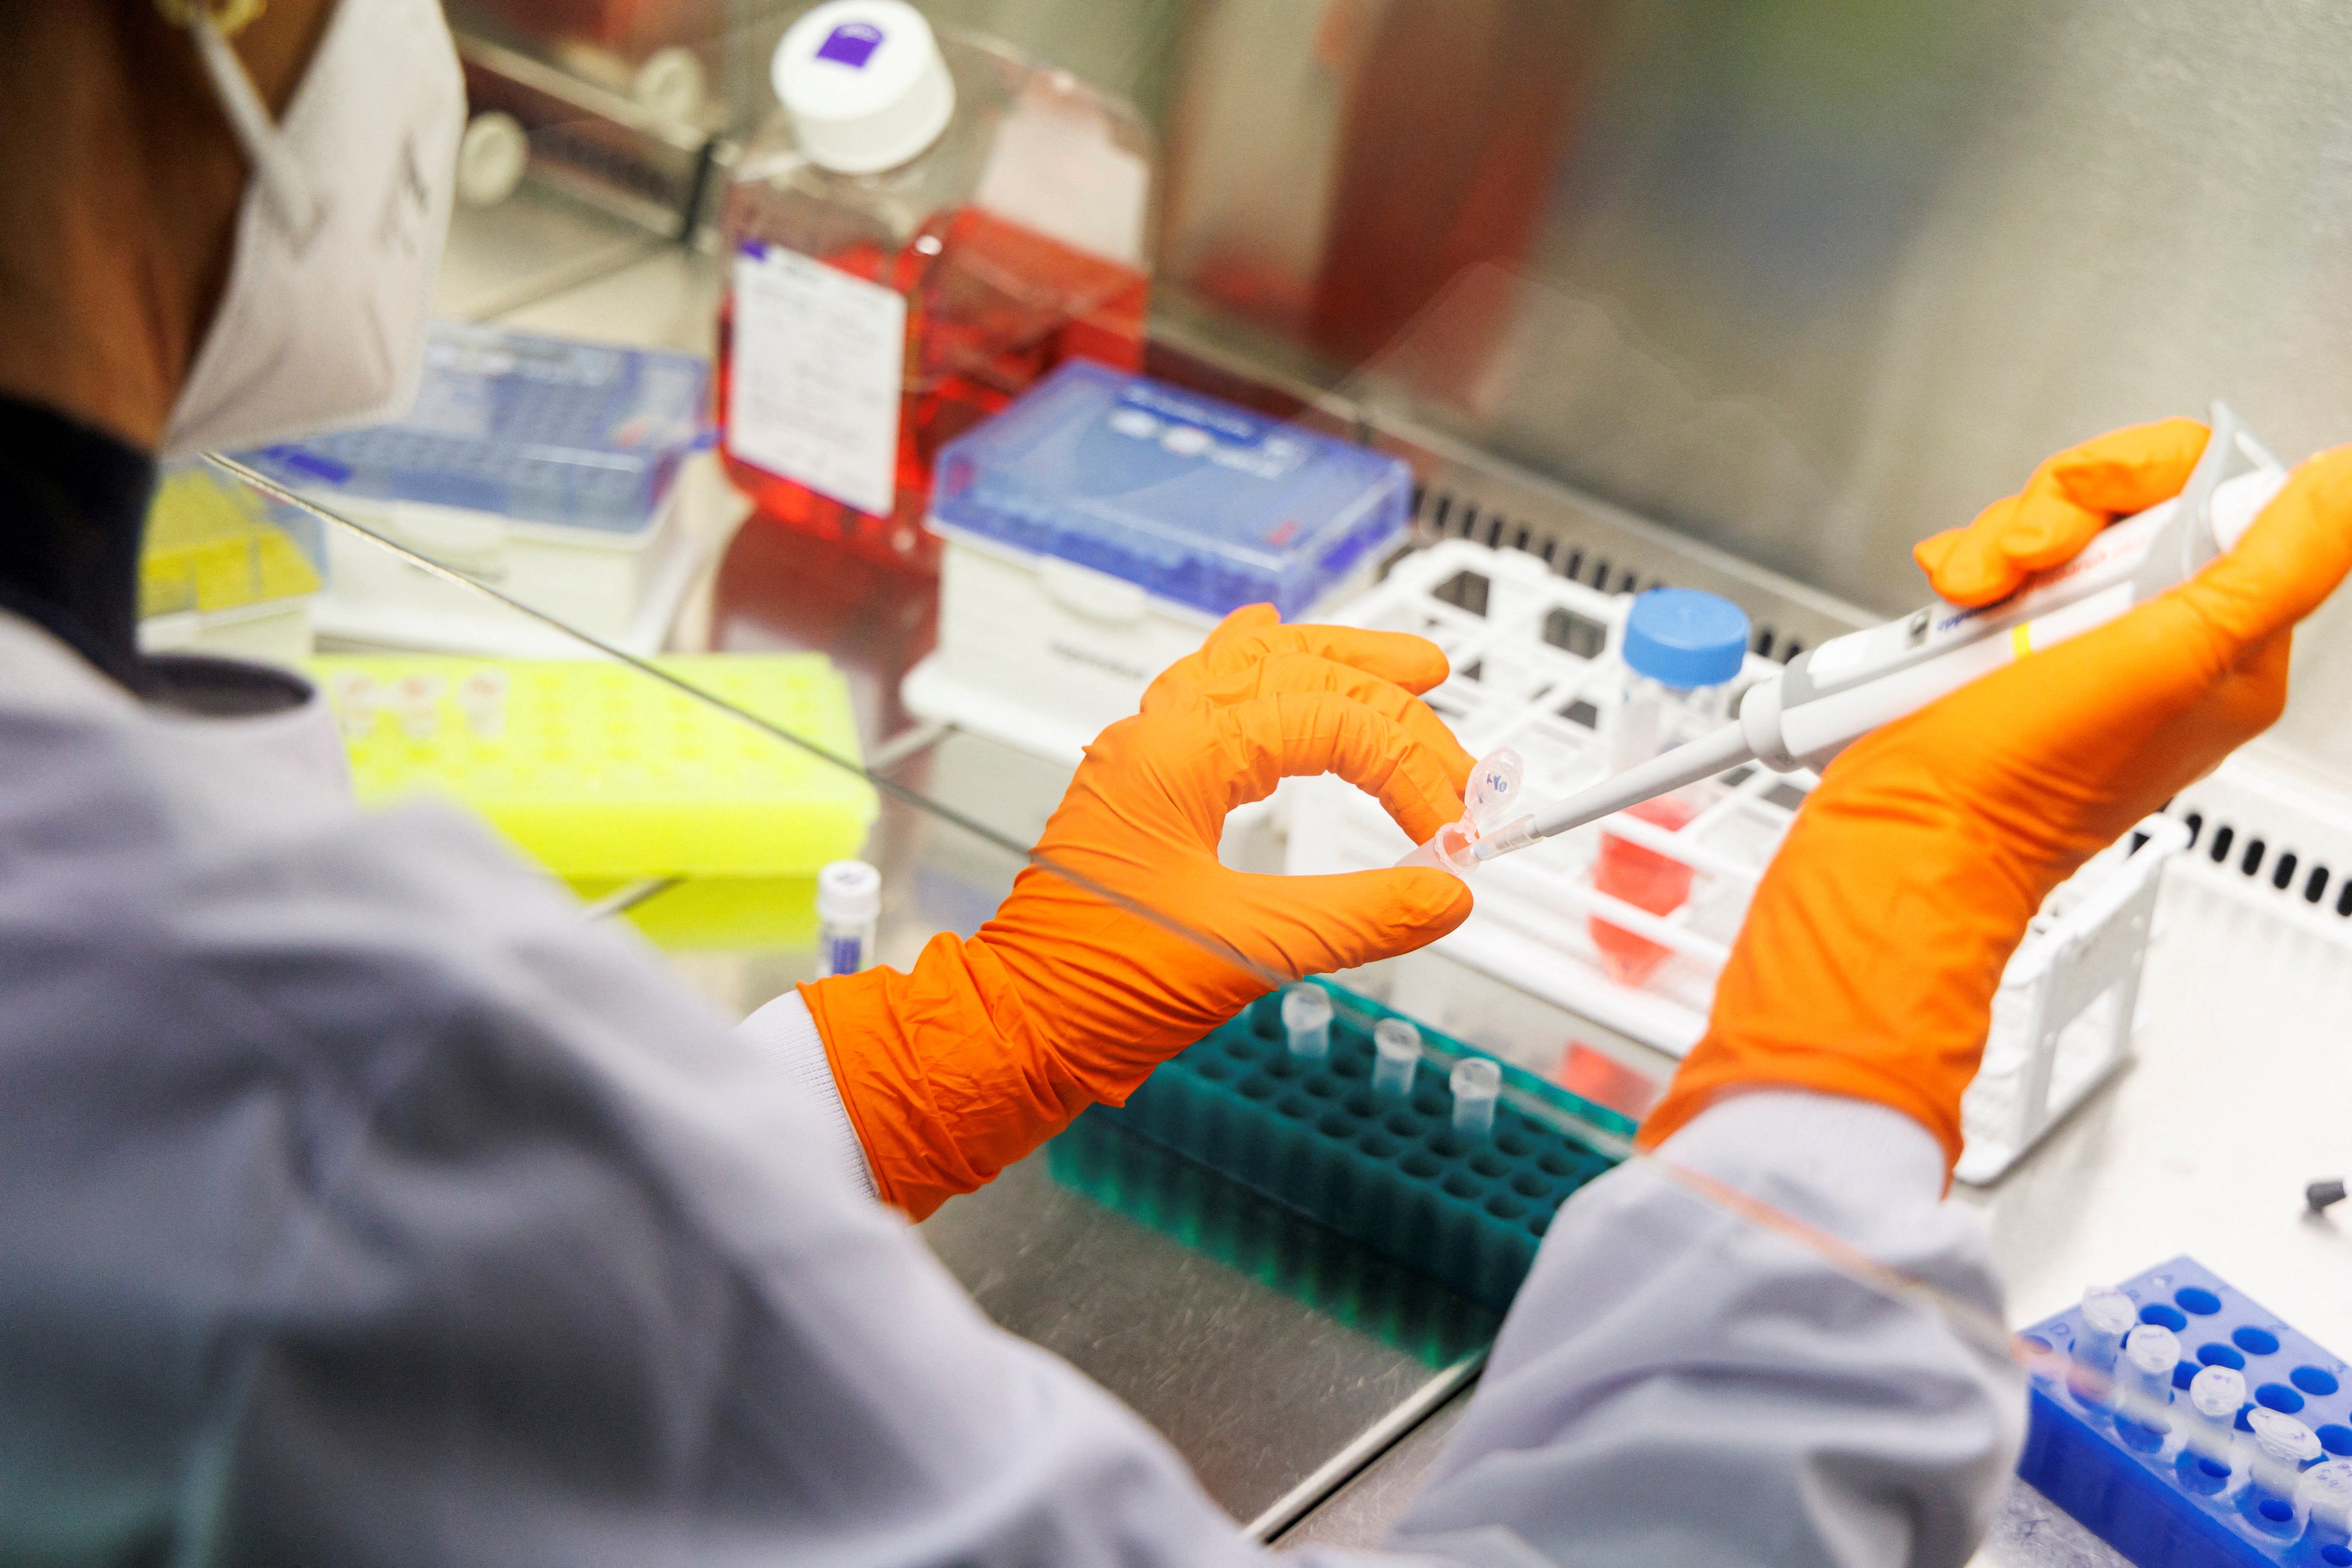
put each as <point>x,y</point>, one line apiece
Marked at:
<point>1387,1171</point>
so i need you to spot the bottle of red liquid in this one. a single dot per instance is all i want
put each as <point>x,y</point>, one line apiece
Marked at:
<point>927,225</point>
<point>1683,650</point>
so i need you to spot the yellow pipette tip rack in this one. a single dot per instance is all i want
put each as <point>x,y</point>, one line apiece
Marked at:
<point>603,775</point>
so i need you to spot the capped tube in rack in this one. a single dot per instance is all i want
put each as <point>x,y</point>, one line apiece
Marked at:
<point>1396,1052</point>
<point>1307,1019</point>
<point>1477,1084</point>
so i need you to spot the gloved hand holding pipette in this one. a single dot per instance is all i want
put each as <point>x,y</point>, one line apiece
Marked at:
<point>1877,937</point>
<point>2006,600</point>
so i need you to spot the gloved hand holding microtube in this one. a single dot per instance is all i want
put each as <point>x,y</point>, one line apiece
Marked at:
<point>1877,939</point>
<point>1072,994</point>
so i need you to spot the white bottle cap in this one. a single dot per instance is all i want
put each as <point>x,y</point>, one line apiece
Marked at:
<point>848,892</point>
<point>863,83</point>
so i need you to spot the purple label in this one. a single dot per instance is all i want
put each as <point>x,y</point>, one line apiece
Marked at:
<point>852,43</point>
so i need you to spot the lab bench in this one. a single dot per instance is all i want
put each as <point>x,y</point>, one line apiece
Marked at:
<point>1293,1419</point>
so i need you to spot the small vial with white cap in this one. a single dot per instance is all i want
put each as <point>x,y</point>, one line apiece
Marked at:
<point>1396,1052</point>
<point>2215,1396</point>
<point>2144,1375</point>
<point>1477,1084</point>
<point>2283,1445</point>
<point>849,905</point>
<point>1307,1019</point>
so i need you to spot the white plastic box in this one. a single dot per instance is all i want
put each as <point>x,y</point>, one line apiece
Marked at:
<point>624,588</point>
<point>1100,527</point>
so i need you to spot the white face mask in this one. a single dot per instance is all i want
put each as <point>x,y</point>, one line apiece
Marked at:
<point>322,323</point>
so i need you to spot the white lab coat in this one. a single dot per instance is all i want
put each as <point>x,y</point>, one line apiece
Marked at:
<point>361,1203</point>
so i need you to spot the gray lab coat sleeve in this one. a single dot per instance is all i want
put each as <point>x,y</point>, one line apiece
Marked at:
<point>586,1282</point>
<point>1677,1385</point>
<point>359,1203</point>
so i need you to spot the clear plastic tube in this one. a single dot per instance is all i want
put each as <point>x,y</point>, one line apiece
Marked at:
<point>2143,1377</point>
<point>2107,1315</point>
<point>1307,1018</point>
<point>417,700</point>
<point>2282,1445</point>
<point>1492,795</point>
<point>2216,1396</point>
<point>482,698</point>
<point>1396,1052</point>
<point>1477,1084</point>
<point>2325,1495</point>
<point>358,699</point>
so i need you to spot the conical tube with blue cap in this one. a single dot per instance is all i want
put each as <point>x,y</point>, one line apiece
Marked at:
<point>1683,651</point>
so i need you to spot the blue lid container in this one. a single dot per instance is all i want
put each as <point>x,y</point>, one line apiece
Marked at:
<point>1686,639</point>
<point>536,429</point>
<point>1195,500</point>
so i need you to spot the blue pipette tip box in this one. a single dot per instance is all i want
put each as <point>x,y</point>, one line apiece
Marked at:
<point>1387,1171</point>
<point>2139,1489</point>
<point>1195,500</point>
<point>533,430</point>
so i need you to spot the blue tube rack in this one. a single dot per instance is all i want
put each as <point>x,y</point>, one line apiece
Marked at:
<point>2137,1488</point>
<point>1386,1170</point>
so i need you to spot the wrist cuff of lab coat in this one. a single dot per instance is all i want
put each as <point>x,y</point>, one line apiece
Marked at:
<point>783,1030</point>
<point>1826,1143</point>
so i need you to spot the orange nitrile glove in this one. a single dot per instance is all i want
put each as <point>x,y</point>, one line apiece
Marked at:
<point>991,1045</point>
<point>1878,935</point>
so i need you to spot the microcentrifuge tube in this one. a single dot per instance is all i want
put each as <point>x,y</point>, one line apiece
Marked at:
<point>2143,1377</point>
<point>482,698</point>
<point>2107,1315</point>
<point>2325,1494</point>
<point>1307,1018</point>
<point>2216,1396</point>
<point>1476,1083</point>
<point>357,698</point>
<point>2283,1445</point>
<point>416,699</point>
<point>1396,1051</point>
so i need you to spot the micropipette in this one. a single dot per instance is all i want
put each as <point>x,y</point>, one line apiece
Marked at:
<point>1839,690</point>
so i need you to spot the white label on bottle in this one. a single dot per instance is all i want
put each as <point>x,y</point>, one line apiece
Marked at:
<point>817,361</point>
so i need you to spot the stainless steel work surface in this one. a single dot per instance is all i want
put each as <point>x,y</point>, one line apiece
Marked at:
<point>1255,1387</point>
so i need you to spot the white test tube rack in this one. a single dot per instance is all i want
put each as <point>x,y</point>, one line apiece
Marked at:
<point>1535,669</point>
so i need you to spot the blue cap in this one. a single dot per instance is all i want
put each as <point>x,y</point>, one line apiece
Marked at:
<point>1684,638</point>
